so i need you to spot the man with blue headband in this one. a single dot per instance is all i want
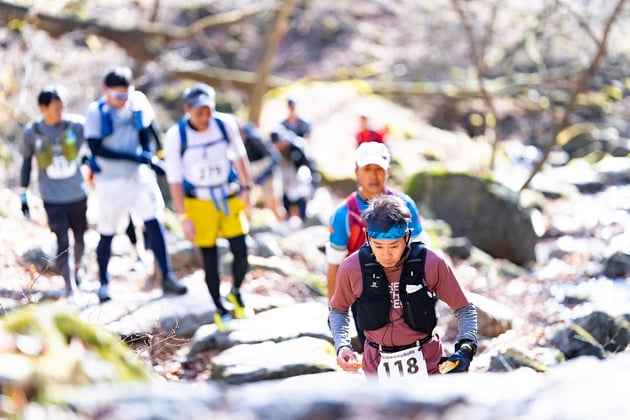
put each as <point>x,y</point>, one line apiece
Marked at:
<point>372,162</point>
<point>395,284</point>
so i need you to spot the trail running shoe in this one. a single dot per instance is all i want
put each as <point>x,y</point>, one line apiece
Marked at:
<point>103,293</point>
<point>222,321</point>
<point>239,308</point>
<point>172,284</point>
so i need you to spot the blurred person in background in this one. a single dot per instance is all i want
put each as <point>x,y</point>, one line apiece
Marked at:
<point>118,130</point>
<point>56,140</point>
<point>264,161</point>
<point>295,123</point>
<point>367,133</point>
<point>300,176</point>
<point>208,173</point>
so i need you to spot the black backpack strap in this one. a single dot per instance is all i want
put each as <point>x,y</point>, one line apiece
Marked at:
<point>414,266</point>
<point>373,306</point>
<point>374,279</point>
<point>418,302</point>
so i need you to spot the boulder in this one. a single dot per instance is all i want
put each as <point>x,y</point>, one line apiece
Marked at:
<point>582,388</point>
<point>486,212</point>
<point>246,363</point>
<point>597,334</point>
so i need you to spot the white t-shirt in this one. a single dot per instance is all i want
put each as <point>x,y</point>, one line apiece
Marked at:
<point>208,157</point>
<point>124,137</point>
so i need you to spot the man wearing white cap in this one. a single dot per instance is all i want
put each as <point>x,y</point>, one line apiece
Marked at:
<point>372,161</point>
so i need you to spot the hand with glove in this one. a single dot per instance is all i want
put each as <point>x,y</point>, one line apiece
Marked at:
<point>26,211</point>
<point>460,360</point>
<point>91,162</point>
<point>144,157</point>
<point>153,161</point>
<point>158,166</point>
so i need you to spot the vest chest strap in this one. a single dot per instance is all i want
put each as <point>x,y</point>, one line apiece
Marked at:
<point>394,349</point>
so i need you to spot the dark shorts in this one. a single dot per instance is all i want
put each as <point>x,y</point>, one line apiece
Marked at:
<point>64,216</point>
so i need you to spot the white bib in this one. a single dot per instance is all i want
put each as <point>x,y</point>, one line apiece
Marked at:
<point>404,364</point>
<point>209,173</point>
<point>60,168</point>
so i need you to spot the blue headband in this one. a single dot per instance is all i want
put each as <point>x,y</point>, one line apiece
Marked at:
<point>394,232</point>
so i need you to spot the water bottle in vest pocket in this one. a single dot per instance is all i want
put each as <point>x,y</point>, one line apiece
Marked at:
<point>69,145</point>
<point>43,153</point>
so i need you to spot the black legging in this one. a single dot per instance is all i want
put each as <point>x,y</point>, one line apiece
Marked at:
<point>154,239</point>
<point>131,232</point>
<point>62,217</point>
<point>238,247</point>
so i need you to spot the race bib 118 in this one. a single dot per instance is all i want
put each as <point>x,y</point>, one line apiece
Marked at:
<point>404,364</point>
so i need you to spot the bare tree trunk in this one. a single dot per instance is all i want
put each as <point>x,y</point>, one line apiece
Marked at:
<point>276,31</point>
<point>154,11</point>
<point>577,89</point>
<point>476,57</point>
<point>144,42</point>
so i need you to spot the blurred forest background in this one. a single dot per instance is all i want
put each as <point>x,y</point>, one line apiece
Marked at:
<point>542,72</point>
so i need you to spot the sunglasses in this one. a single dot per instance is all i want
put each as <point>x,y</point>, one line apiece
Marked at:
<point>117,94</point>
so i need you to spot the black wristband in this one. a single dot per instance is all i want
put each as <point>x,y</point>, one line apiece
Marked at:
<point>467,344</point>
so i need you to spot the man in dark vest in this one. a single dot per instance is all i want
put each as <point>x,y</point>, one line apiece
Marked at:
<point>395,284</point>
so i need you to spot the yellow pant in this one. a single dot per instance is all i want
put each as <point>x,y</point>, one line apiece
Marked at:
<point>210,223</point>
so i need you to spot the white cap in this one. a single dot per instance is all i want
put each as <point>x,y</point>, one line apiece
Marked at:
<point>198,95</point>
<point>372,152</point>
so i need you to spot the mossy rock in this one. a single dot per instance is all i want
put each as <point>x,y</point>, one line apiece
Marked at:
<point>58,351</point>
<point>480,209</point>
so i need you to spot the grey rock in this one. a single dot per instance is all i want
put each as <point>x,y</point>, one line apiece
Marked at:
<point>486,212</point>
<point>617,265</point>
<point>274,325</point>
<point>597,334</point>
<point>583,388</point>
<point>246,363</point>
<point>493,318</point>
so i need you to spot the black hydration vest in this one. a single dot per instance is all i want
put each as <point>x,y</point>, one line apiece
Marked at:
<point>373,306</point>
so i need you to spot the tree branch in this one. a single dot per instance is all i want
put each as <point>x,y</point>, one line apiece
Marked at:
<point>478,65</point>
<point>143,43</point>
<point>178,67</point>
<point>577,89</point>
